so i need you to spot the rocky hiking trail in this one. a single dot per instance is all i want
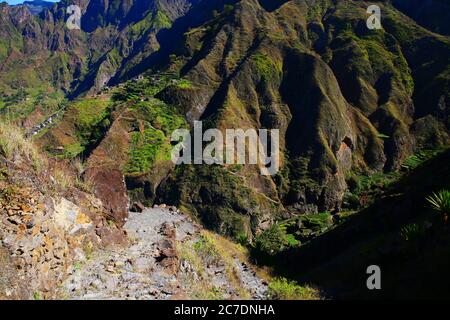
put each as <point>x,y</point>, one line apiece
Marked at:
<point>151,267</point>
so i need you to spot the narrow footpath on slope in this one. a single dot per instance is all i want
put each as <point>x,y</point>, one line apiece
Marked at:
<point>167,258</point>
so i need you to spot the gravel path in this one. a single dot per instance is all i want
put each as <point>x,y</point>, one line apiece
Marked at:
<point>137,272</point>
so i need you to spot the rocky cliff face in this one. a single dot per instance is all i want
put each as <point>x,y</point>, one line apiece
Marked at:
<point>49,223</point>
<point>347,100</point>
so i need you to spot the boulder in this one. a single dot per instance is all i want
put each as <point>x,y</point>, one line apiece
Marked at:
<point>137,207</point>
<point>69,217</point>
<point>112,237</point>
<point>110,188</point>
<point>168,256</point>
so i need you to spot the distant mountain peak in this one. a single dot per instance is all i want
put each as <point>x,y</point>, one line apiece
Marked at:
<point>36,6</point>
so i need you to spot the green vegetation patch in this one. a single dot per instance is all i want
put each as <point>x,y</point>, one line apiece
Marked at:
<point>159,115</point>
<point>87,119</point>
<point>22,102</point>
<point>360,184</point>
<point>420,158</point>
<point>161,20</point>
<point>291,233</point>
<point>154,124</point>
<point>266,66</point>
<point>412,231</point>
<point>145,88</point>
<point>146,147</point>
<point>153,21</point>
<point>72,150</point>
<point>283,289</point>
<point>206,249</point>
<point>184,84</point>
<point>89,113</point>
<point>274,240</point>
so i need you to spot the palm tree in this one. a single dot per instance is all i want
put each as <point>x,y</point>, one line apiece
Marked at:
<point>440,202</point>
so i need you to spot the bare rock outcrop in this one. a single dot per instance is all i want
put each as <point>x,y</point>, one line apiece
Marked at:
<point>44,239</point>
<point>111,190</point>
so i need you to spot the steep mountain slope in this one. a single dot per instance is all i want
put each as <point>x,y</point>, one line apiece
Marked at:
<point>399,232</point>
<point>347,100</point>
<point>352,106</point>
<point>41,54</point>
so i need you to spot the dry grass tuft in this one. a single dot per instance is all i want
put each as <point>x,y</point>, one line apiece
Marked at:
<point>14,145</point>
<point>81,181</point>
<point>63,179</point>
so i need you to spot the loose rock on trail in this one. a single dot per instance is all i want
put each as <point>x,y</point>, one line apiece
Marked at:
<point>150,267</point>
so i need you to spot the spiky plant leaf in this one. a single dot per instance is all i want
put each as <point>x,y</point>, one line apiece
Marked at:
<point>440,201</point>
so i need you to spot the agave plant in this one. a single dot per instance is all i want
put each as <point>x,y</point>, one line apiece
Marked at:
<point>441,203</point>
<point>411,231</point>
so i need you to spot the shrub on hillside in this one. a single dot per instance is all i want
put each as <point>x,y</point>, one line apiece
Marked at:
<point>283,289</point>
<point>206,249</point>
<point>274,240</point>
<point>440,202</point>
<point>412,231</point>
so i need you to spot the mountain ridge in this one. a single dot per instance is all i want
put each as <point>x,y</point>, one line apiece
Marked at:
<point>347,100</point>
<point>363,117</point>
<point>37,6</point>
